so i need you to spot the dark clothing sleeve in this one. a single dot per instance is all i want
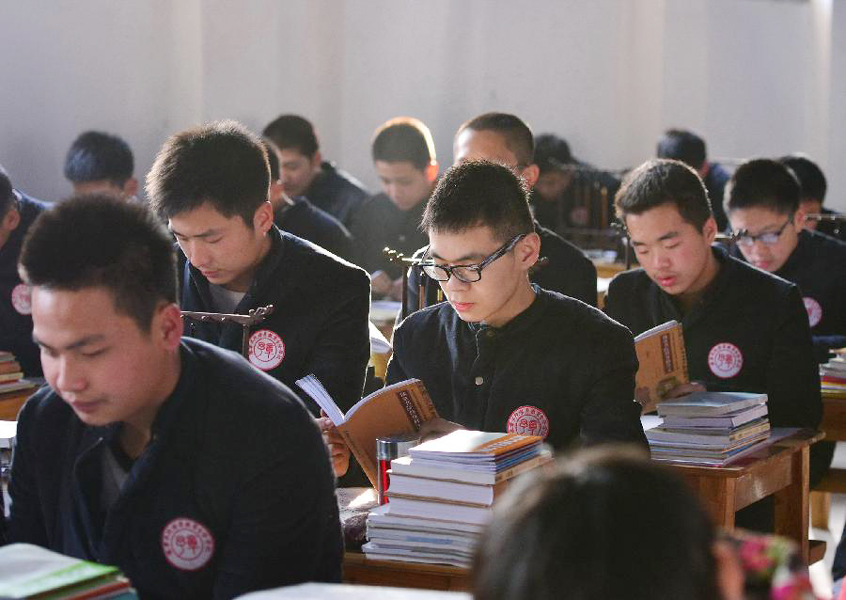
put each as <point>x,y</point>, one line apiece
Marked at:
<point>26,520</point>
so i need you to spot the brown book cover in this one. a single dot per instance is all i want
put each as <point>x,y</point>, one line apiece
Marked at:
<point>395,409</point>
<point>9,366</point>
<point>663,364</point>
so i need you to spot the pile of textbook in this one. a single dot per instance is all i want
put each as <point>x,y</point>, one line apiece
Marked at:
<point>28,571</point>
<point>440,496</point>
<point>710,428</point>
<point>833,376</point>
<point>11,375</point>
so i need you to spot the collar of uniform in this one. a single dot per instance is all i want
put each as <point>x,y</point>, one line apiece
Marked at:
<point>519,323</point>
<point>270,262</point>
<point>798,257</point>
<point>714,290</point>
<point>177,397</point>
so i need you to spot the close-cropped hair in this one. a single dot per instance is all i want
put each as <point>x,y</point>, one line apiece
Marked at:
<point>98,241</point>
<point>606,524</point>
<point>763,183</point>
<point>7,193</point>
<point>222,163</point>
<point>811,178</point>
<point>99,156</point>
<point>686,146</point>
<point>516,133</point>
<point>293,132</point>
<point>272,158</point>
<point>479,193</point>
<point>404,139</point>
<point>552,153</point>
<point>660,182</point>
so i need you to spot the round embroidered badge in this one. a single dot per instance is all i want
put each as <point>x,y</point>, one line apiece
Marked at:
<point>814,310</point>
<point>22,299</point>
<point>725,360</point>
<point>528,420</point>
<point>267,350</point>
<point>187,544</point>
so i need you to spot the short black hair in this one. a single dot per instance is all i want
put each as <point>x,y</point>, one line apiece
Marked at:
<point>810,176</point>
<point>100,241</point>
<point>517,134</point>
<point>272,158</point>
<point>404,139</point>
<point>222,163</point>
<point>476,193</point>
<point>659,182</point>
<point>566,528</point>
<point>8,199</point>
<point>763,183</point>
<point>552,152</point>
<point>293,132</point>
<point>99,156</point>
<point>683,145</point>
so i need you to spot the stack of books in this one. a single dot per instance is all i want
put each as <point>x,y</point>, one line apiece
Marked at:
<point>441,495</point>
<point>11,375</point>
<point>28,571</point>
<point>833,376</point>
<point>710,428</point>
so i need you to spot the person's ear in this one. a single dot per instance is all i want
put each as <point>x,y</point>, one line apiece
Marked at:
<point>263,217</point>
<point>168,325</point>
<point>10,220</point>
<point>316,160</point>
<point>432,171</point>
<point>799,218</point>
<point>528,251</point>
<point>729,571</point>
<point>530,175</point>
<point>130,188</point>
<point>709,230</point>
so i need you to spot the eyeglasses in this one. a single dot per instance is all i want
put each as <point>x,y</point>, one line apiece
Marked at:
<point>466,273</point>
<point>743,238</point>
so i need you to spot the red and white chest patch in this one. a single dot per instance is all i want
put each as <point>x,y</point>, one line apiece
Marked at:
<point>267,350</point>
<point>528,420</point>
<point>725,360</point>
<point>814,310</point>
<point>187,544</point>
<point>22,299</point>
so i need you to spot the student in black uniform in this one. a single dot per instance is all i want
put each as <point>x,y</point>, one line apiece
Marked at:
<point>170,458</point>
<point>506,139</point>
<point>298,216</point>
<point>404,158</point>
<point>100,162</point>
<point>814,186</point>
<point>211,183</point>
<point>744,330</point>
<point>17,212</point>
<point>305,173</point>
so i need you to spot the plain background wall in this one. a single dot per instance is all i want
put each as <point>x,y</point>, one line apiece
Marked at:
<point>754,77</point>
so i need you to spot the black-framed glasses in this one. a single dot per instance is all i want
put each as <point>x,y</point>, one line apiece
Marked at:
<point>466,273</point>
<point>744,238</point>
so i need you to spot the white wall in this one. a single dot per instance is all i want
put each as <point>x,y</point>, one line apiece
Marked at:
<point>753,76</point>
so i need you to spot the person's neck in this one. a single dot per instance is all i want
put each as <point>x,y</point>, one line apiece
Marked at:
<point>687,300</point>
<point>518,304</point>
<point>243,282</point>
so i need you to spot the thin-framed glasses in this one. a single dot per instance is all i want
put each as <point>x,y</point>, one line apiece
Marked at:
<point>744,238</point>
<point>466,273</point>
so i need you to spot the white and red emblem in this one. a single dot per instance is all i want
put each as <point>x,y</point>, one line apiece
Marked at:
<point>528,420</point>
<point>725,360</point>
<point>22,299</point>
<point>187,544</point>
<point>267,350</point>
<point>814,310</point>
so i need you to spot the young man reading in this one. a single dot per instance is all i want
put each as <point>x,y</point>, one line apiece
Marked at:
<point>744,330</point>
<point>211,184</point>
<point>170,458</point>
<point>506,139</point>
<point>404,157</point>
<point>100,162</point>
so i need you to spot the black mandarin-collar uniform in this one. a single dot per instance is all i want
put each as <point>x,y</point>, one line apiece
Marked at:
<point>561,363</point>
<point>567,271</point>
<point>304,220</point>
<point>321,305</point>
<point>337,192</point>
<point>233,452</point>
<point>379,224</point>
<point>15,310</point>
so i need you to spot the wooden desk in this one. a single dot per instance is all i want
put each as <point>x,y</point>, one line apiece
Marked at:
<point>359,569</point>
<point>11,403</point>
<point>834,481</point>
<point>779,470</point>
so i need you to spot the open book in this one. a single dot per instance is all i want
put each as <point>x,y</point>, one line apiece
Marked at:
<point>663,364</point>
<point>399,408</point>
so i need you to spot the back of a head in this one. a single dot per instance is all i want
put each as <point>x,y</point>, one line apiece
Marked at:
<point>100,241</point>
<point>479,193</point>
<point>404,139</point>
<point>98,156</point>
<point>606,525</point>
<point>516,133</point>
<point>7,193</point>
<point>811,178</point>
<point>679,144</point>
<point>293,132</point>
<point>272,158</point>
<point>660,182</point>
<point>552,153</point>
<point>763,183</point>
<point>222,163</point>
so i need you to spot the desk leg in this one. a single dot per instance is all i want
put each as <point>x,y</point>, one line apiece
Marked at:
<point>718,496</point>
<point>791,503</point>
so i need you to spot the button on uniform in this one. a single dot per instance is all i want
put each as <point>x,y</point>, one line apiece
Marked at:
<point>480,380</point>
